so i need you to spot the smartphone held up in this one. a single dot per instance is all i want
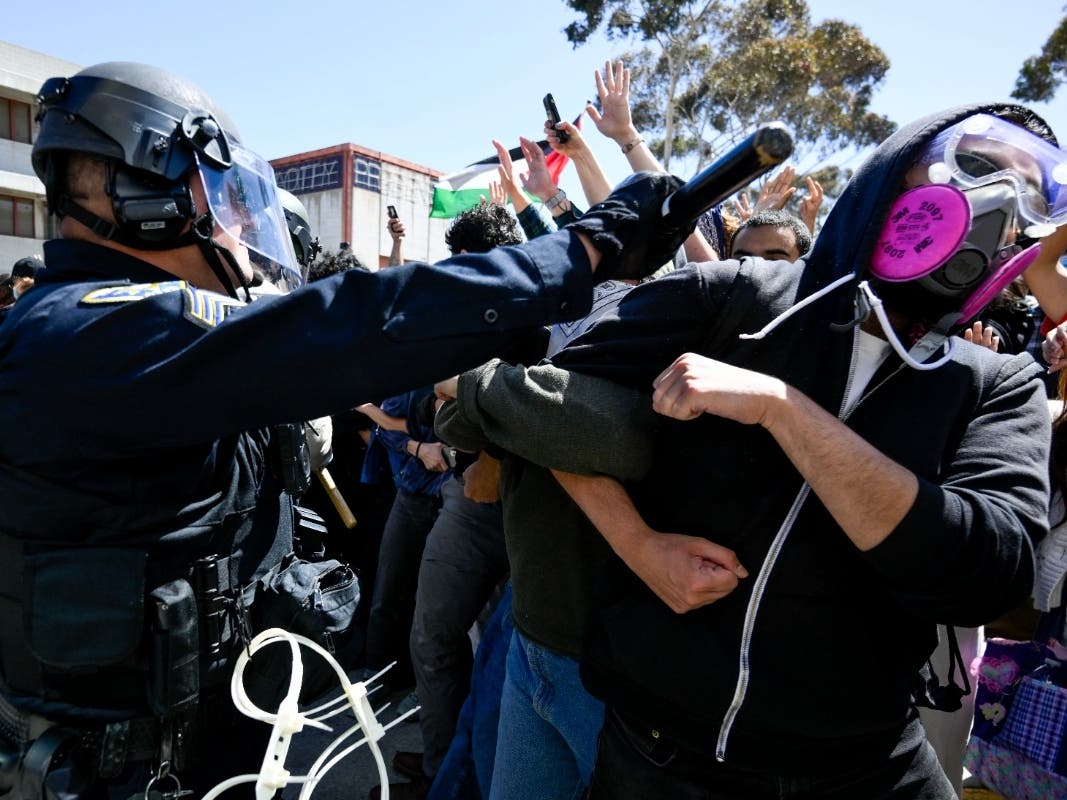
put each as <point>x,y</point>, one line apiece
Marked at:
<point>554,118</point>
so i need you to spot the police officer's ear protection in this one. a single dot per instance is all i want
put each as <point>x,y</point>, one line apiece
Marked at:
<point>147,211</point>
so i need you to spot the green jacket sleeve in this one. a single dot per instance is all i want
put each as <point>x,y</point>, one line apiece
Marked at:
<point>551,417</point>
<point>533,224</point>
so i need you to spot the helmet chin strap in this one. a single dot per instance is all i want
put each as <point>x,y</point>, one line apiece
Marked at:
<point>199,233</point>
<point>214,254</point>
<point>934,340</point>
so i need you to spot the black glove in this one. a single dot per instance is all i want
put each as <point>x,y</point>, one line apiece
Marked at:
<point>628,227</point>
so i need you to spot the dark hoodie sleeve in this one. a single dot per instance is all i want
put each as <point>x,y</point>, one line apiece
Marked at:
<point>964,553</point>
<point>654,324</point>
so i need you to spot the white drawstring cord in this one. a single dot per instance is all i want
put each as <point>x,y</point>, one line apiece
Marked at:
<point>811,298</point>
<point>927,345</point>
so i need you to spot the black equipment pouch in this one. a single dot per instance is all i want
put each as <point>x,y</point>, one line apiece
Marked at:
<point>317,600</point>
<point>294,459</point>
<point>74,629</point>
<point>175,676</point>
<point>309,534</point>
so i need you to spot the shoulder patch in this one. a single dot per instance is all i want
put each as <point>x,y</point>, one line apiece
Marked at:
<point>128,293</point>
<point>207,309</point>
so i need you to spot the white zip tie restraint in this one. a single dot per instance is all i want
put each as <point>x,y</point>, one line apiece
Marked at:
<point>289,719</point>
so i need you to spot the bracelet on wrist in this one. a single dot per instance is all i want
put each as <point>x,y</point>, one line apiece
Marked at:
<point>626,148</point>
<point>417,446</point>
<point>555,199</point>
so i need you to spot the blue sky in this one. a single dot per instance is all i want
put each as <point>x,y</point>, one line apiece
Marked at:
<point>433,82</point>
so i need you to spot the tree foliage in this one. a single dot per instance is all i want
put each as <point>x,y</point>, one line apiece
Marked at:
<point>1041,75</point>
<point>708,72</point>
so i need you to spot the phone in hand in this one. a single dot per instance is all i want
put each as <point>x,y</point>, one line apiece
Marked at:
<point>448,454</point>
<point>391,210</point>
<point>553,115</point>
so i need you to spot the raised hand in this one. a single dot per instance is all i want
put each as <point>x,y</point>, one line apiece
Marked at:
<point>742,205</point>
<point>776,191</point>
<point>497,194</point>
<point>508,183</point>
<point>614,119</point>
<point>810,203</point>
<point>537,180</point>
<point>575,143</point>
<point>1054,348</point>
<point>983,336</point>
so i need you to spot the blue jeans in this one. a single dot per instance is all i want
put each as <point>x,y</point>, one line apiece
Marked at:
<point>467,770</point>
<point>547,740</point>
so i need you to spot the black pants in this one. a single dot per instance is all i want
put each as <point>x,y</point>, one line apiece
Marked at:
<point>464,560</point>
<point>393,606</point>
<point>632,763</point>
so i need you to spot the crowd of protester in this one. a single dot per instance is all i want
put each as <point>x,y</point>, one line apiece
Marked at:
<point>552,743</point>
<point>565,575</point>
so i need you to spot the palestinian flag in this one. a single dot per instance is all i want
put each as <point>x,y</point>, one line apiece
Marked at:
<point>464,189</point>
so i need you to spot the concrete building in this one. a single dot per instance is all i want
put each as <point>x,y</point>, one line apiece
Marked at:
<point>24,222</point>
<point>346,189</point>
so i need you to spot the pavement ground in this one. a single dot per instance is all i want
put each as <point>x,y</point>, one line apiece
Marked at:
<point>356,774</point>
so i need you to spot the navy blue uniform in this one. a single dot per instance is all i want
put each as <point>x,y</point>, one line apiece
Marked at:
<point>138,408</point>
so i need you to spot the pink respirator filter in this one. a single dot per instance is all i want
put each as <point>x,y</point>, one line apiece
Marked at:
<point>925,227</point>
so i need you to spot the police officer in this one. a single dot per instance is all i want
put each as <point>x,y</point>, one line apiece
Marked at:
<point>139,391</point>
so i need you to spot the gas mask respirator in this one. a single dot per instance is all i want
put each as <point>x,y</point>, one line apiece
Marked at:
<point>988,191</point>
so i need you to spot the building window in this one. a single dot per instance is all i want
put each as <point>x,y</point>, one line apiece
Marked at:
<point>16,120</point>
<point>16,216</point>
<point>368,174</point>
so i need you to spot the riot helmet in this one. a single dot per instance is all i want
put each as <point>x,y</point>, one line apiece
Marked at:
<point>305,243</point>
<point>154,131</point>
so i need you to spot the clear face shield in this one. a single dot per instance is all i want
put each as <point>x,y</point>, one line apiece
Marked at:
<point>244,202</point>
<point>982,193</point>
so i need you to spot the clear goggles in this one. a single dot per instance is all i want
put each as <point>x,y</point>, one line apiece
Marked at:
<point>244,201</point>
<point>984,149</point>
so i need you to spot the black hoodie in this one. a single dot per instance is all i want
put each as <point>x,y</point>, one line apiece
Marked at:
<point>810,664</point>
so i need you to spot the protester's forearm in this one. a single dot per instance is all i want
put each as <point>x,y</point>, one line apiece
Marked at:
<point>637,152</point>
<point>387,421</point>
<point>698,250</point>
<point>685,572</point>
<point>594,182</point>
<point>519,201</point>
<point>611,511</point>
<point>867,493</point>
<point>1047,280</point>
<point>395,258</point>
